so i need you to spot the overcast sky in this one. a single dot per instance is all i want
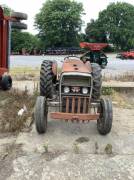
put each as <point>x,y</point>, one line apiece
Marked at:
<point>32,7</point>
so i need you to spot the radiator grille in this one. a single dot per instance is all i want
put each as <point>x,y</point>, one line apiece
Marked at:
<point>75,104</point>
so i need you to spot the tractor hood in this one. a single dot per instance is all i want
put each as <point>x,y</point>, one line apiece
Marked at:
<point>76,66</point>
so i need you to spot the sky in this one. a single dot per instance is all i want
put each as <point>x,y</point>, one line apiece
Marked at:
<point>32,7</point>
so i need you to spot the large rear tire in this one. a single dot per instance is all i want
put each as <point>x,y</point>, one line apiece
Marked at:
<point>104,123</point>
<point>40,114</point>
<point>19,16</point>
<point>46,79</point>
<point>97,81</point>
<point>18,25</point>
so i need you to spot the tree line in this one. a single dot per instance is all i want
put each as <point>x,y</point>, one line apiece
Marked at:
<point>59,24</point>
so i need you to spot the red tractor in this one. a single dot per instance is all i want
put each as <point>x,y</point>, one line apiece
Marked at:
<point>74,93</point>
<point>6,23</point>
<point>94,53</point>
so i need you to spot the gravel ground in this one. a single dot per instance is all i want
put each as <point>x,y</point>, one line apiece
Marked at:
<point>25,156</point>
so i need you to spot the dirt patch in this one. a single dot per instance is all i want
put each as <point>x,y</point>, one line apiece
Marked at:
<point>49,156</point>
<point>82,139</point>
<point>10,152</point>
<point>10,104</point>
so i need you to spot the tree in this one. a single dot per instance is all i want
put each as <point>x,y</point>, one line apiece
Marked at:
<point>94,32</point>
<point>23,40</point>
<point>6,10</point>
<point>118,21</point>
<point>59,22</point>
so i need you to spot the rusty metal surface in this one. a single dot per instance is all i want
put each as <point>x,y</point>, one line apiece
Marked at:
<point>4,41</point>
<point>79,100</point>
<point>75,104</point>
<point>54,68</point>
<point>93,46</point>
<point>75,66</point>
<point>73,116</point>
<point>4,30</point>
<point>84,105</point>
<point>2,71</point>
<point>67,104</point>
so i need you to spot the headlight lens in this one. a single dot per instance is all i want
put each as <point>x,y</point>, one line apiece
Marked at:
<point>84,90</point>
<point>66,89</point>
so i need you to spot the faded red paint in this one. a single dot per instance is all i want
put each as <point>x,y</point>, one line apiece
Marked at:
<point>54,68</point>
<point>93,46</point>
<point>2,71</point>
<point>73,65</point>
<point>4,32</point>
<point>73,116</point>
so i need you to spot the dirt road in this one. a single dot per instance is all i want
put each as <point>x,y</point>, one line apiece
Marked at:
<point>57,154</point>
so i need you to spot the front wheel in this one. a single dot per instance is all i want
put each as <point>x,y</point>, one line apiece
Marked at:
<point>104,123</point>
<point>40,114</point>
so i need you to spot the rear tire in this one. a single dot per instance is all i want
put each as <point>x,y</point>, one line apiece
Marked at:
<point>97,81</point>
<point>18,25</point>
<point>6,82</point>
<point>46,79</point>
<point>40,114</point>
<point>19,16</point>
<point>104,123</point>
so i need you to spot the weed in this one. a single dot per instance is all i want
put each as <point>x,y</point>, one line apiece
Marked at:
<point>108,149</point>
<point>96,147</point>
<point>82,139</point>
<point>46,147</point>
<point>76,148</point>
<point>14,100</point>
<point>107,91</point>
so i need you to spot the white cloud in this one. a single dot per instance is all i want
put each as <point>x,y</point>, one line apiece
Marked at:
<point>92,8</point>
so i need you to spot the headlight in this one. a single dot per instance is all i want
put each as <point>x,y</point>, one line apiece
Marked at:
<point>84,90</point>
<point>66,89</point>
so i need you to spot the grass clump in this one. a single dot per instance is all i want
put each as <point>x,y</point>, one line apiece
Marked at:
<point>12,102</point>
<point>107,91</point>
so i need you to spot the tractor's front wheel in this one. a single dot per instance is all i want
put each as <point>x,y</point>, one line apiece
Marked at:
<point>6,82</point>
<point>40,114</point>
<point>104,123</point>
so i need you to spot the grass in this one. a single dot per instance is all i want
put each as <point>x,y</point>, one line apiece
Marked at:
<point>122,100</point>
<point>107,91</point>
<point>10,103</point>
<point>25,73</point>
<point>28,73</point>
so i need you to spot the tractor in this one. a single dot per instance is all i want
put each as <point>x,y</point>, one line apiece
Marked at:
<point>74,94</point>
<point>6,23</point>
<point>94,53</point>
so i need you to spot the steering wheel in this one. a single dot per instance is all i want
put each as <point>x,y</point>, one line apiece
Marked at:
<point>67,57</point>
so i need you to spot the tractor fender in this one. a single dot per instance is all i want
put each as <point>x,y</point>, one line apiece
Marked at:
<point>88,64</point>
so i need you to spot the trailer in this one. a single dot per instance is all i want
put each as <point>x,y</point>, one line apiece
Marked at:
<point>6,23</point>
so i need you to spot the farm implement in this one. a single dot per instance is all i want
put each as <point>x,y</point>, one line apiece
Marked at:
<point>6,23</point>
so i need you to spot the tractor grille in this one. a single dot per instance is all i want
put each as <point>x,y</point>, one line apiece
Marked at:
<point>75,104</point>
